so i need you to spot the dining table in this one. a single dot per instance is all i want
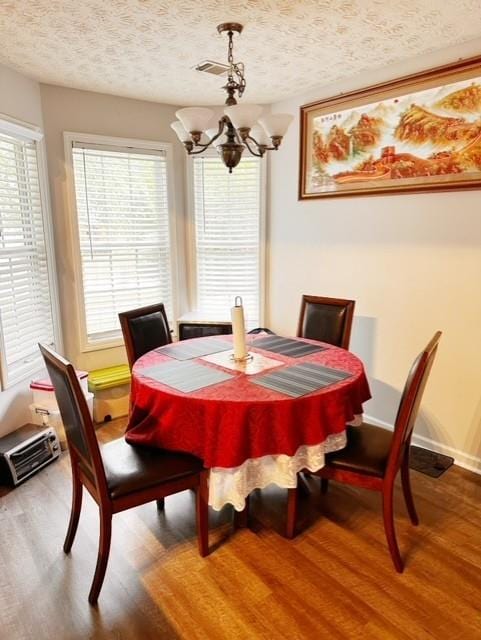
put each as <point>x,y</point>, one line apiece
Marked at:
<point>255,422</point>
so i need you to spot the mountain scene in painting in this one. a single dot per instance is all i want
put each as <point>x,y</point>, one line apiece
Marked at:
<point>467,100</point>
<point>430,133</point>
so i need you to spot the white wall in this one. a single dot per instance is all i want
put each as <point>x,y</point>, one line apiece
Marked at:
<point>87,112</point>
<point>413,265</point>
<point>19,99</point>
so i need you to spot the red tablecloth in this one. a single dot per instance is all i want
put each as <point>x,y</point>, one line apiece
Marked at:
<point>228,423</point>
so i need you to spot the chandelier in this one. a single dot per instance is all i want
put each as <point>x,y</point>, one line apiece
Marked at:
<point>240,127</point>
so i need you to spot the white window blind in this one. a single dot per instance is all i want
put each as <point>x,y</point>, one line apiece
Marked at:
<point>124,238</point>
<point>25,301</point>
<point>227,211</point>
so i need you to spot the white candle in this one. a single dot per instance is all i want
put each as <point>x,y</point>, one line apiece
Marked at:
<point>238,329</point>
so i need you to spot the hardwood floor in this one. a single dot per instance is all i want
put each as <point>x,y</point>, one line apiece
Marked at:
<point>335,580</point>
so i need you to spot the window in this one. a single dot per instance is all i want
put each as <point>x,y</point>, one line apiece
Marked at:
<point>228,233</point>
<point>122,231</point>
<point>26,285</point>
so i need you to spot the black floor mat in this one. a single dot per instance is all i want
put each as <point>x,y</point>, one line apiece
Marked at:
<point>429,462</point>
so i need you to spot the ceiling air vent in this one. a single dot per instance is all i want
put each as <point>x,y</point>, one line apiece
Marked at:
<point>216,68</point>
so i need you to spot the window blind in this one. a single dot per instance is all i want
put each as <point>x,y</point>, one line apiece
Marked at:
<point>25,302</point>
<point>227,212</point>
<point>124,238</point>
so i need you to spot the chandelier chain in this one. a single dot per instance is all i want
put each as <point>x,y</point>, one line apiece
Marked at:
<point>235,68</point>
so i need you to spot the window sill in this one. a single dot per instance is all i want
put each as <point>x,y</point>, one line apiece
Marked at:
<point>101,345</point>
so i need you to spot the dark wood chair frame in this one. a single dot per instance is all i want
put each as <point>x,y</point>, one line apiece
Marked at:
<point>398,459</point>
<point>88,471</point>
<point>335,302</point>
<point>126,316</point>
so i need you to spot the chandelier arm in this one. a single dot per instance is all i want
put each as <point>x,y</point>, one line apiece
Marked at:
<point>202,146</point>
<point>189,145</point>
<point>222,125</point>
<point>262,147</point>
<point>196,153</point>
<point>276,142</point>
<point>260,152</point>
<point>266,148</point>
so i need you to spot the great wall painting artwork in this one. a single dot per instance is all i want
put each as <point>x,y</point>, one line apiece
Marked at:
<point>411,141</point>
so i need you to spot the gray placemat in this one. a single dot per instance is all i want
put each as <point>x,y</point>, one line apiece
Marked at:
<point>185,376</point>
<point>286,346</point>
<point>195,349</point>
<point>301,379</point>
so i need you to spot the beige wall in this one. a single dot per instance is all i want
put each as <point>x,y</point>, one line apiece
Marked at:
<point>413,265</point>
<point>19,99</point>
<point>87,112</point>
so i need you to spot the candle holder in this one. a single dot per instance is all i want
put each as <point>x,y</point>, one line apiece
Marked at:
<point>247,358</point>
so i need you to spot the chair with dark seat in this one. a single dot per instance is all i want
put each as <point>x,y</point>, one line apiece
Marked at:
<point>374,456</point>
<point>258,330</point>
<point>326,319</point>
<point>144,329</point>
<point>117,475</point>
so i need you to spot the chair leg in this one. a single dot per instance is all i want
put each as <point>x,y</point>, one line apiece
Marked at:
<point>160,504</point>
<point>103,554</point>
<point>388,515</point>
<point>75,512</point>
<point>324,485</point>
<point>241,518</point>
<point>292,501</point>
<point>202,514</point>
<point>302,485</point>
<point>406,485</point>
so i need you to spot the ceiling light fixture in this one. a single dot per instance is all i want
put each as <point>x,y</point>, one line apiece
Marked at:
<point>239,127</point>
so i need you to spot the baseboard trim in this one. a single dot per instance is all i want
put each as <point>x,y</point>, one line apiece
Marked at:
<point>461,459</point>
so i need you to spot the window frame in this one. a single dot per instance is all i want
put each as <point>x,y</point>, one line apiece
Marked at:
<point>86,345</point>
<point>31,133</point>
<point>191,262</point>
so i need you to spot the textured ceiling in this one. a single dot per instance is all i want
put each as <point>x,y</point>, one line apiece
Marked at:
<point>146,48</point>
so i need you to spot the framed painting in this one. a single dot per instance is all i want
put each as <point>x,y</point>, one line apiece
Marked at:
<point>419,133</point>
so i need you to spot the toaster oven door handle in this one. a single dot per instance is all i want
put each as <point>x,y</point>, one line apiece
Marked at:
<point>25,451</point>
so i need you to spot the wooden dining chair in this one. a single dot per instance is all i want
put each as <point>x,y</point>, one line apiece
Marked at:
<point>117,475</point>
<point>326,319</point>
<point>374,456</point>
<point>144,329</point>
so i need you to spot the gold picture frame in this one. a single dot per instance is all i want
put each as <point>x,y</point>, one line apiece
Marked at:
<point>419,133</point>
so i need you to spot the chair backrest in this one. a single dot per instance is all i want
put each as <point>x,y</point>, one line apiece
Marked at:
<point>144,329</point>
<point>326,319</point>
<point>79,429</point>
<point>410,402</point>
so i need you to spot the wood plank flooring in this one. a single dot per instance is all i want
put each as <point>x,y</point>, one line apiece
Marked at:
<point>334,580</point>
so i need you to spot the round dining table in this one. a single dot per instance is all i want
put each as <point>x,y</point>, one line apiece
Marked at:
<point>247,435</point>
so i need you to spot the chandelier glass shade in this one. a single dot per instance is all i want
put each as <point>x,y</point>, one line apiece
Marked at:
<point>241,127</point>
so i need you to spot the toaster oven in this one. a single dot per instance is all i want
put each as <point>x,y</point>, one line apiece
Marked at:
<point>25,451</point>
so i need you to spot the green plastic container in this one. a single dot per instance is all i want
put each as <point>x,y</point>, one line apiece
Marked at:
<point>109,377</point>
